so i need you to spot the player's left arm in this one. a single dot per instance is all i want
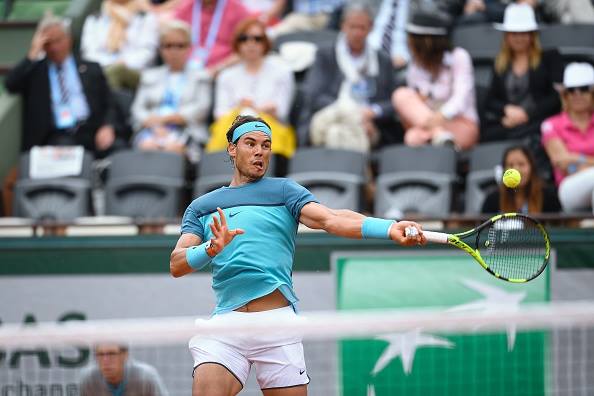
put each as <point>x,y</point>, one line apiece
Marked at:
<point>349,224</point>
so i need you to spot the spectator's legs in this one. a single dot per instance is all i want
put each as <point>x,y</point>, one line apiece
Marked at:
<point>413,111</point>
<point>465,131</point>
<point>576,191</point>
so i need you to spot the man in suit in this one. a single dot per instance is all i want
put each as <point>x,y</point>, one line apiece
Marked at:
<point>66,100</point>
<point>352,70</point>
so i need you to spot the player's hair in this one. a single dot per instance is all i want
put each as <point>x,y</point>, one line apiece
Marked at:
<point>428,50</point>
<point>533,188</point>
<point>240,120</point>
<point>504,58</point>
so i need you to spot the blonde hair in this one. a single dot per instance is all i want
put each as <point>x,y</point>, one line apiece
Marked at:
<point>505,55</point>
<point>174,25</point>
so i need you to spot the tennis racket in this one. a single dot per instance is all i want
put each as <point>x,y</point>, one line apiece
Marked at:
<point>511,246</point>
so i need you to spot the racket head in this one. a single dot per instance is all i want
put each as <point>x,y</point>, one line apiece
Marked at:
<point>512,247</point>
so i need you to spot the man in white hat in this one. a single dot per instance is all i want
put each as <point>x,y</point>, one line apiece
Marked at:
<point>569,139</point>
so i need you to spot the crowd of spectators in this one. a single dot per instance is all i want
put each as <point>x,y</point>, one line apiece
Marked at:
<point>391,76</point>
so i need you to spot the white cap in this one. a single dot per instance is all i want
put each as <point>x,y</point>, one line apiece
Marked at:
<point>518,18</point>
<point>578,75</point>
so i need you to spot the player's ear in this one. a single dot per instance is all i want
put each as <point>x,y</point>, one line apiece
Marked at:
<point>232,149</point>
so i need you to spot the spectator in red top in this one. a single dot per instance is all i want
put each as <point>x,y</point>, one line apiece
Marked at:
<point>212,31</point>
<point>569,139</point>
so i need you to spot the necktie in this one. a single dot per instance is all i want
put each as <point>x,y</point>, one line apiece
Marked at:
<point>64,94</point>
<point>389,29</point>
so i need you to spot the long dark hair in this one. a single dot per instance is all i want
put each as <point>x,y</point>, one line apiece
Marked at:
<point>428,50</point>
<point>533,188</point>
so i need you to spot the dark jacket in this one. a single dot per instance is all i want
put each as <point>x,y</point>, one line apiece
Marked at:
<point>550,201</point>
<point>30,79</point>
<point>541,79</point>
<point>322,85</point>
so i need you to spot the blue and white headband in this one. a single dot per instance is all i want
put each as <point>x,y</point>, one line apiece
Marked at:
<point>253,126</point>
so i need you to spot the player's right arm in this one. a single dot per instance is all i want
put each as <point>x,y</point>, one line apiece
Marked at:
<point>178,264</point>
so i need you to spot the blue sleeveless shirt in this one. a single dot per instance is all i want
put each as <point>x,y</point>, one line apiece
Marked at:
<point>260,261</point>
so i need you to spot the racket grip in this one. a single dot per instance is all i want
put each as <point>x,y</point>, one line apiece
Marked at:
<point>436,237</point>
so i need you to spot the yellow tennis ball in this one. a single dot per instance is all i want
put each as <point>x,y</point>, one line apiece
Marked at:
<point>511,178</point>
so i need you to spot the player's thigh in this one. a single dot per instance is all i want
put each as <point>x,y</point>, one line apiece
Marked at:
<point>300,390</point>
<point>213,379</point>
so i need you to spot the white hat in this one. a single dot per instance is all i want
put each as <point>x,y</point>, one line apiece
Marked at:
<point>518,18</point>
<point>578,75</point>
<point>299,55</point>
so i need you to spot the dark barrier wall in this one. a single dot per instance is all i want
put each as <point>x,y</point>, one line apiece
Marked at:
<point>150,254</point>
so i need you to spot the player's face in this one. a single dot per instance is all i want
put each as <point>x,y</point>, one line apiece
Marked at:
<point>251,154</point>
<point>517,160</point>
<point>57,44</point>
<point>519,41</point>
<point>356,26</point>
<point>111,360</point>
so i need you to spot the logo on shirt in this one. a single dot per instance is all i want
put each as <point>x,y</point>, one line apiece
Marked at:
<point>233,214</point>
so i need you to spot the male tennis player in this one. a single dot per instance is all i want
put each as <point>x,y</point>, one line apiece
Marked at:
<point>246,232</point>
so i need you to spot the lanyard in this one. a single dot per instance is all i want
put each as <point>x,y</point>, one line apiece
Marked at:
<point>203,51</point>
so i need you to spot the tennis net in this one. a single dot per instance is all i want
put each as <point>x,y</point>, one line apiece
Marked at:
<point>544,349</point>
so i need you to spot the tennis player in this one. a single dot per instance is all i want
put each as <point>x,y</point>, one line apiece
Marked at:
<point>246,232</point>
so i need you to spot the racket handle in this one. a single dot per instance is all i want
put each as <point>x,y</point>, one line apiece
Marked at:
<point>436,237</point>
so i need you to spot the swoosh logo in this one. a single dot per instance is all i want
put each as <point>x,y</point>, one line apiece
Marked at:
<point>233,214</point>
<point>301,372</point>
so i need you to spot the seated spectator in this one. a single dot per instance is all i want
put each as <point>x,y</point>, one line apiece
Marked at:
<point>571,11</point>
<point>438,104</point>
<point>389,31</point>
<point>569,139</point>
<point>212,31</point>
<point>260,85</point>
<point>123,38</point>
<point>348,89</point>
<point>172,103</point>
<point>66,100</point>
<point>116,374</point>
<point>531,195</point>
<point>521,94</point>
<point>305,15</point>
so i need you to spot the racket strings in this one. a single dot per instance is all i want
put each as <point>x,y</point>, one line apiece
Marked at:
<point>514,248</point>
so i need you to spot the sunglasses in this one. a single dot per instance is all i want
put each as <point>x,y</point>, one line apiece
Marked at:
<point>244,38</point>
<point>175,45</point>
<point>582,89</point>
<point>110,354</point>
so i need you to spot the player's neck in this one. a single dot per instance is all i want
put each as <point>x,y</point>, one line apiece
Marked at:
<point>241,179</point>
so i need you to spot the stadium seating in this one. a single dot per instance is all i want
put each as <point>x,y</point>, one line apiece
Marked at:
<point>144,184</point>
<point>335,177</point>
<point>481,177</point>
<point>574,42</point>
<point>60,199</point>
<point>415,180</point>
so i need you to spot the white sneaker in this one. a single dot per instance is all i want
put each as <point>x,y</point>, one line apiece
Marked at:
<point>445,138</point>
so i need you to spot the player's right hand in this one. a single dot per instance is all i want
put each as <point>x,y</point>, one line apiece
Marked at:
<point>400,235</point>
<point>222,235</point>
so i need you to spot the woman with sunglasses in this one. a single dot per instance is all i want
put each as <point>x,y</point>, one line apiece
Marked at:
<point>259,85</point>
<point>172,102</point>
<point>569,139</point>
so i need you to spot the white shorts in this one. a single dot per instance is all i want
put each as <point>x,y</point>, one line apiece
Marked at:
<point>277,358</point>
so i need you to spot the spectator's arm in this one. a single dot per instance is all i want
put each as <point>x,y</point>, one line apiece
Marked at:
<point>316,84</point>
<point>90,47</point>
<point>285,88</point>
<point>140,109</point>
<point>548,104</point>
<point>143,48</point>
<point>463,85</point>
